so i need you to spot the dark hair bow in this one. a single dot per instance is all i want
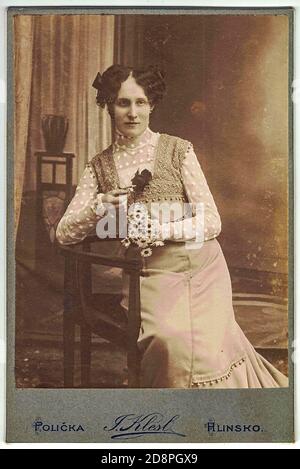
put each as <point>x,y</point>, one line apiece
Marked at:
<point>97,82</point>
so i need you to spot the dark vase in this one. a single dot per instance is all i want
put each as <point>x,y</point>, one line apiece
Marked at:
<point>55,129</point>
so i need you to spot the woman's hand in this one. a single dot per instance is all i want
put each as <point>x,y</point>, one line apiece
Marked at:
<point>116,197</point>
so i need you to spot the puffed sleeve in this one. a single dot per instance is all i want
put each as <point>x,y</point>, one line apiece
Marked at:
<point>83,212</point>
<point>199,195</point>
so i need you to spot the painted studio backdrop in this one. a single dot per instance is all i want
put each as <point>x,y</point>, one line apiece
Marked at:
<point>227,93</point>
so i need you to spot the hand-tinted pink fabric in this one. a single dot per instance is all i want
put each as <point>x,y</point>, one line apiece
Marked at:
<point>189,337</point>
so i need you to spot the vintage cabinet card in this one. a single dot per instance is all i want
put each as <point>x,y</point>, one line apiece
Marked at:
<point>150,225</point>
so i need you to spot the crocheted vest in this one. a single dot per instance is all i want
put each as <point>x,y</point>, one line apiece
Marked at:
<point>166,183</point>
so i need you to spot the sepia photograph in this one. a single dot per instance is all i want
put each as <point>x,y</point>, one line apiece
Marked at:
<point>99,98</point>
<point>151,158</point>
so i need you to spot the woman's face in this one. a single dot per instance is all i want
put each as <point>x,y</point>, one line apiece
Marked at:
<point>131,109</point>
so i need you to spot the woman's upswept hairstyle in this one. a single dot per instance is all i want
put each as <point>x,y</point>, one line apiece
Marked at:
<point>151,79</point>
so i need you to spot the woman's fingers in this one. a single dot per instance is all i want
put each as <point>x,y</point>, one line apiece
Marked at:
<point>119,199</point>
<point>115,197</point>
<point>117,192</point>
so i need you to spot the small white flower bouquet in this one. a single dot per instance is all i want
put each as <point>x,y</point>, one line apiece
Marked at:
<point>142,231</point>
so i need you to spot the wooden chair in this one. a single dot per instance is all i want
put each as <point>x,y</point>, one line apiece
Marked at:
<point>100,314</point>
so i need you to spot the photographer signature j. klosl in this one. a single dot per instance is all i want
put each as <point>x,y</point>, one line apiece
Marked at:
<point>134,426</point>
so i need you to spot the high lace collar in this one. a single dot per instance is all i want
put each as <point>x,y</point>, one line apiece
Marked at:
<point>122,141</point>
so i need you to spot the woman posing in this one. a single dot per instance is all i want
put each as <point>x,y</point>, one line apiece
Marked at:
<point>189,336</point>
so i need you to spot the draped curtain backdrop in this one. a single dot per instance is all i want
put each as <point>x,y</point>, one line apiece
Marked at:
<point>68,51</point>
<point>129,40</point>
<point>23,43</point>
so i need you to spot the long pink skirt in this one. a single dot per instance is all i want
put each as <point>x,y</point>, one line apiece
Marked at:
<point>189,337</point>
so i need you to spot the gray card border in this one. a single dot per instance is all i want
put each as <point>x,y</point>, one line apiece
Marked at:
<point>86,412</point>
